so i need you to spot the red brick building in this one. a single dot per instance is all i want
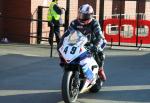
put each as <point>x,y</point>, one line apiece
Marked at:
<point>1,20</point>
<point>16,15</point>
<point>14,23</point>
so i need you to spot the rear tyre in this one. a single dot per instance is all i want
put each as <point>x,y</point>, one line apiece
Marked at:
<point>97,86</point>
<point>69,90</point>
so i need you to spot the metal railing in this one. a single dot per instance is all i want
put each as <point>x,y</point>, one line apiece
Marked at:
<point>127,27</point>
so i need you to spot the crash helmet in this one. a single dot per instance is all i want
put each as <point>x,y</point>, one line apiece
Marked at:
<point>85,13</point>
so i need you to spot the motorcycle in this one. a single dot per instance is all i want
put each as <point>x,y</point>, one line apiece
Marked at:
<point>73,81</point>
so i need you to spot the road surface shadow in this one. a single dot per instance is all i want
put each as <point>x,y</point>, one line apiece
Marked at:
<point>32,98</point>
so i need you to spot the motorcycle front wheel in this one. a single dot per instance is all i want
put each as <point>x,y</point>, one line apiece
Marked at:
<point>70,89</point>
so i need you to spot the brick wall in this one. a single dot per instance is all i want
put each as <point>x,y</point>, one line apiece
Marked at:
<point>107,10</point>
<point>97,9</point>
<point>34,6</point>
<point>130,9</point>
<point>147,11</point>
<point>17,30</point>
<point>73,10</point>
<point>33,28</point>
<point>1,27</point>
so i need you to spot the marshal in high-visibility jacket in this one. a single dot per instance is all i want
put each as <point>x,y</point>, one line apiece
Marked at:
<point>53,18</point>
<point>54,12</point>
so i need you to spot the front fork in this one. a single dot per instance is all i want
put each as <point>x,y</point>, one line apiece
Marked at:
<point>76,83</point>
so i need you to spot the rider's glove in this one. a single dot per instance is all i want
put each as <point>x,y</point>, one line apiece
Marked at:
<point>94,48</point>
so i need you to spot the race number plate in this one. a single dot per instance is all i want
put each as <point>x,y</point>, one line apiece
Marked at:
<point>70,52</point>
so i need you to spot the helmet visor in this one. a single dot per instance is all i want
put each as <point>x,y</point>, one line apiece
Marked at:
<point>84,17</point>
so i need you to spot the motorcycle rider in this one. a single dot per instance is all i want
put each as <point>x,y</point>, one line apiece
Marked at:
<point>90,27</point>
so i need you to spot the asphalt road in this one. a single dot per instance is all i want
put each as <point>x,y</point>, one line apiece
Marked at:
<point>28,75</point>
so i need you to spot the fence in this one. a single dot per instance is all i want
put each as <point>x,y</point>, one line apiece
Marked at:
<point>124,30</point>
<point>127,24</point>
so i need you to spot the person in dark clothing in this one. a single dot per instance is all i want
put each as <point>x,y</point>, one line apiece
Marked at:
<point>53,18</point>
<point>89,26</point>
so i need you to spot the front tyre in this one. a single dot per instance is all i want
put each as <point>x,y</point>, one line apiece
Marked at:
<point>70,90</point>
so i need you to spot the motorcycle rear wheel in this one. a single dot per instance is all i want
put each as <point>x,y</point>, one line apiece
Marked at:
<point>69,90</point>
<point>96,86</point>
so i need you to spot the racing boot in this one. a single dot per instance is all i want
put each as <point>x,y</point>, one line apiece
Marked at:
<point>101,74</point>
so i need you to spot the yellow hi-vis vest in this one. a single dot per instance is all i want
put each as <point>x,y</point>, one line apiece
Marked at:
<point>52,13</point>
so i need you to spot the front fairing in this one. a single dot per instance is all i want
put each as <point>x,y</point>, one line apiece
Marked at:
<point>72,49</point>
<point>71,52</point>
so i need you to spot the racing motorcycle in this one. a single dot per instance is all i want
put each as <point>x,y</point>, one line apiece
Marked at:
<point>74,81</point>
